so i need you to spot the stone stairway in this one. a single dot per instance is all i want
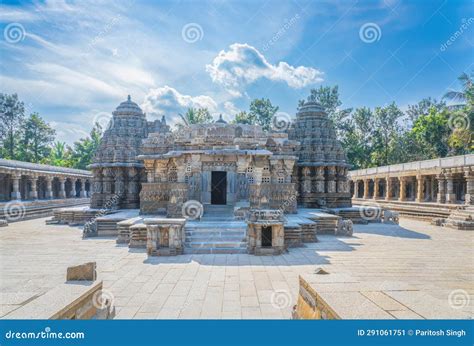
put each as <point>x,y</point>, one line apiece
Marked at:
<point>219,212</point>
<point>462,219</point>
<point>212,236</point>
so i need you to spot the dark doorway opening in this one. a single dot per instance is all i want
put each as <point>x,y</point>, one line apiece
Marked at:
<point>267,236</point>
<point>219,188</point>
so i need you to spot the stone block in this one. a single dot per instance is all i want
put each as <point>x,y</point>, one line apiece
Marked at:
<point>82,272</point>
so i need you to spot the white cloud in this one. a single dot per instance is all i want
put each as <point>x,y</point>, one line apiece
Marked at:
<point>170,102</point>
<point>243,64</point>
<point>230,108</point>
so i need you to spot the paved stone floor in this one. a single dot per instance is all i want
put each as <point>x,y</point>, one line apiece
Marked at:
<point>34,258</point>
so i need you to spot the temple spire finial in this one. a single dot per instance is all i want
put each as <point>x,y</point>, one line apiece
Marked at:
<point>129,98</point>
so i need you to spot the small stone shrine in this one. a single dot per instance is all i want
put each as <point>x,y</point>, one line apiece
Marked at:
<point>265,233</point>
<point>165,237</point>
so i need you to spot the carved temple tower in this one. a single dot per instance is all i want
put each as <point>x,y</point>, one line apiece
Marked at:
<point>117,172</point>
<point>322,168</point>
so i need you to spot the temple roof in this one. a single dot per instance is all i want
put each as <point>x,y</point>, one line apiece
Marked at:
<point>220,120</point>
<point>37,167</point>
<point>128,108</point>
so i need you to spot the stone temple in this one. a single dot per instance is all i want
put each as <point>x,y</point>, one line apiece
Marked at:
<point>236,165</point>
<point>155,182</point>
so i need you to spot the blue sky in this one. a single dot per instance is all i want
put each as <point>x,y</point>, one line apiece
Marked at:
<point>74,62</point>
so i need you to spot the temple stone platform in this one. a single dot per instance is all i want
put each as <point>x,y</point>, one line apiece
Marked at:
<point>343,296</point>
<point>423,266</point>
<point>70,300</point>
<point>13,211</point>
<point>417,210</point>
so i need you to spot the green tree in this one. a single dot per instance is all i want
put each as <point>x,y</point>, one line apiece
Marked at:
<point>386,134</point>
<point>37,136</point>
<point>423,108</point>
<point>59,155</point>
<point>12,114</point>
<point>244,118</point>
<point>197,116</point>
<point>432,132</point>
<point>357,139</point>
<point>466,95</point>
<point>83,150</point>
<point>328,97</point>
<point>262,111</point>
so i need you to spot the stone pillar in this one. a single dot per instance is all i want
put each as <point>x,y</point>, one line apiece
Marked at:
<point>432,189</point>
<point>441,198</point>
<point>16,194</point>
<point>403,184</point>
<point>356,189</point>
<point>62,187</point>
<point>331,179</point>
<point>119,183</point>
<point>49,187</point>
<point>242,189</point>
<point>420,181</point>
<point>366,189</point>
<point>82,191</point>
<point>469,196</point>
<point>376,188</point>
<point>306,177</point>
<point>388,188</point>
<point>72,193</point>
<point>320,179</point>
<point>450,195</point>
<point>34,190</point>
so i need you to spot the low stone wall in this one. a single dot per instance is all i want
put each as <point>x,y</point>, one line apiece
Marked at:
<point>324,295</point>
<point>421,211</point>
<point>72,301</point>
<point>25,210</point>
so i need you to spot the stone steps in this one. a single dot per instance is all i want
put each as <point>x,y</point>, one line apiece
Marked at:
<point>214,250</point>
<point>462,219</point>
<point>213,236</point>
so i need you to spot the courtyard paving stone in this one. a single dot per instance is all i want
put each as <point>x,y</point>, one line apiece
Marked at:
<point>413,256</point>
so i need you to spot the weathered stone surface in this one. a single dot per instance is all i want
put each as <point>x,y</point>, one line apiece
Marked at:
<point>344,227</point>
<point>82,272</point>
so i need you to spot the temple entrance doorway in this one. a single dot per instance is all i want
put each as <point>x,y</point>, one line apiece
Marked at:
<point>218,187</point>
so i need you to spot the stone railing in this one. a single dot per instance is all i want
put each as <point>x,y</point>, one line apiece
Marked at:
<point>432,165</point>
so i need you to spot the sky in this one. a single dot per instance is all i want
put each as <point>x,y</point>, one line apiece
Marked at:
<point>74,62</point>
